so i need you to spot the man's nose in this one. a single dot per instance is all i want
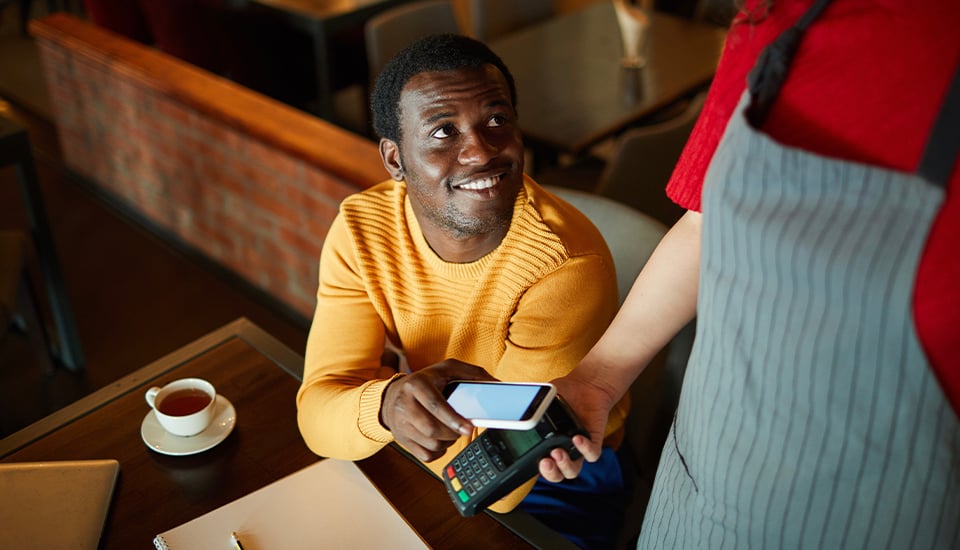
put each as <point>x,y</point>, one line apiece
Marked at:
<point>477,148</point>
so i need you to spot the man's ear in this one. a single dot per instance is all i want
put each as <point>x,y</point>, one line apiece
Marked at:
<point>390,154</point>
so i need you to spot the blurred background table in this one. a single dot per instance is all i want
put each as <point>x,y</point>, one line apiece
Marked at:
<point>260,376</point>
<point>573,92</point>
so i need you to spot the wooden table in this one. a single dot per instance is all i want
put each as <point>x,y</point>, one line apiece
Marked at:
<point>260,376</point>
<point>336,28</point>
<point>572,91</point>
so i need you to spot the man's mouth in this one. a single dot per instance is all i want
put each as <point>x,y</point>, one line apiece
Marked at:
<point>480,184</point>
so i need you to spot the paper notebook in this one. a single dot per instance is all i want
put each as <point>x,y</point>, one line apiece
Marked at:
<point>55,505</point>
<point>330,504</point>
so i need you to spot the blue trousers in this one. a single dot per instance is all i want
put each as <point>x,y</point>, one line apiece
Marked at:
<point>587,510</point>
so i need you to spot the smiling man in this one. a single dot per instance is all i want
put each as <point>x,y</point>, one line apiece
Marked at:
<point>464,266</point>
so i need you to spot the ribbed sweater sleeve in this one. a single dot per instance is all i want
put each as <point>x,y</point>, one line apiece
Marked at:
<point>527,311</point>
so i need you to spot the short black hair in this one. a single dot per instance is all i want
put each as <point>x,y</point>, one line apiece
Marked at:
<point>433,53</point>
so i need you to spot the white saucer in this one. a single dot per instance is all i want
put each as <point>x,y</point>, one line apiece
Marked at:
<point>163,442</point>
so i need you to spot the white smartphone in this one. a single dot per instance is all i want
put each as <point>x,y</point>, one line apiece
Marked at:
<point>503,405</point>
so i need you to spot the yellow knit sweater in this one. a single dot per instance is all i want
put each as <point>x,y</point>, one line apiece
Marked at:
<point>527,311</point>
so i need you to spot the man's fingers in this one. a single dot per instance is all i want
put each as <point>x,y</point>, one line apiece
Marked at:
<point>427,431</point>
<point>420,406</point>
<point>550,471</point>
<point>568,467</point>
<point>559,466</point>
<point>417,450</point>
<point>417,414</point>
<point>452,369</point>
<point>436,409</point>
<point>590,450</point>
<point>426,445</point>
<point>443,412</point>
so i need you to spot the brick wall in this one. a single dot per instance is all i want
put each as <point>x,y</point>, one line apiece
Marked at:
<point>248,182</point>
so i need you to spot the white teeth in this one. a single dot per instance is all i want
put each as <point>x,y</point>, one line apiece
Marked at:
<point>485,183</point>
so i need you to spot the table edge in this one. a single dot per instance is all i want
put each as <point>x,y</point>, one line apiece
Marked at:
<point>241,328</point>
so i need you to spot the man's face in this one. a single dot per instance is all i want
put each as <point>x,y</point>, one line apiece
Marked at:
<point>460,151</point>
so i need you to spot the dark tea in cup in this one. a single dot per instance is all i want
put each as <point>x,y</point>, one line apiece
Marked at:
<point>184,402</point>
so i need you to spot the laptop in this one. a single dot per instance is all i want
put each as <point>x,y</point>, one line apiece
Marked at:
<point>53,505</point>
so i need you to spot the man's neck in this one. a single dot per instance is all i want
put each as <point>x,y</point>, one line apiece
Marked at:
<point>462,250</point>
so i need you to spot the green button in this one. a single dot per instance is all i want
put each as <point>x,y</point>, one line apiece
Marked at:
<point>463,496</point>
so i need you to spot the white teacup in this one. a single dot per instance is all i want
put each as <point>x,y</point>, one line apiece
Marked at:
<point>183,407</point>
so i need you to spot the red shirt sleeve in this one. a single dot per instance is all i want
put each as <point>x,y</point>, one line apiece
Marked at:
<point>743,45</point>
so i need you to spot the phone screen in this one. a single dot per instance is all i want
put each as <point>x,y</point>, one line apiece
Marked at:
<point>494,401</point>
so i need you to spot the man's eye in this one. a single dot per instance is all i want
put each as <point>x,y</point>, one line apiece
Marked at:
<point>497,120</point>
<point>444,131</point>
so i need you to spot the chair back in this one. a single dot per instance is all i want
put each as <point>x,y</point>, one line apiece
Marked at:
<point>12,267</point>
<point>642,163</point>
<point>715,12</point>
<point>631,235</point>
<point>493,18</point>
<point>391,30</point>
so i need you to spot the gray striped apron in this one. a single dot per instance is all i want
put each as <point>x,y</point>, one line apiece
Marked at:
<point>809,417</point>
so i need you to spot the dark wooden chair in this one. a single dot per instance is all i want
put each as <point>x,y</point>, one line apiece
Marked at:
<point>643,161</point>
<point>20,309</point>
<point>390,31</point>
<point>493,18</point>
<point>11,272</point>
<point>639,167</point>
<point>715,12</point>
<point>15,151</point>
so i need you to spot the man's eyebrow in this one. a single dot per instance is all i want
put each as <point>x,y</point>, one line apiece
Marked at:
<point>437,116</point>
<point>440,115</point>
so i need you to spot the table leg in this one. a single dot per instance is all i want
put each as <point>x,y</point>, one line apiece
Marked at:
<point>322,62</point>
<point>16,150</point>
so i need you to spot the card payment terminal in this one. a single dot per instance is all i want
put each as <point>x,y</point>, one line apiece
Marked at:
<point>499,461</point>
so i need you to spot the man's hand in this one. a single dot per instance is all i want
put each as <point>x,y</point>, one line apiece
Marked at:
<point>414,409</point>
<point>592,406</point>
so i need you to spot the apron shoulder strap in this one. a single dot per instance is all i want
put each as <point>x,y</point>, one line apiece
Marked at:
<point>770,71</point>
<point>943,145</point>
